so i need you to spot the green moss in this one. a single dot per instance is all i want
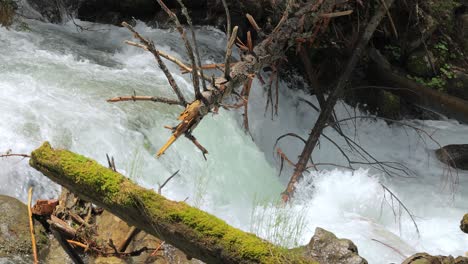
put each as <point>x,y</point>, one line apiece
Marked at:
<point>86,172</point>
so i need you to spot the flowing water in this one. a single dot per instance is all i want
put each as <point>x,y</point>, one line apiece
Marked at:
<point>54,81</point>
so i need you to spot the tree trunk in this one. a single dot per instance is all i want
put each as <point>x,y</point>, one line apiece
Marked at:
<point>197,233</point>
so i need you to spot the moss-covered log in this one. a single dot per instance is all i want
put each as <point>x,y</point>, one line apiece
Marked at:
<point>197,233</point>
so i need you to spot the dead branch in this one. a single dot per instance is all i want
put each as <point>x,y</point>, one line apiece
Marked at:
<point>166,181</point>
<point>149,45</point>
<point>332,99</point>
<point>227,60</point>
<point>15,155</point>
<point>131,234</point>
<point>145,98</point>
<point>31,226</point>
<point>188,47</point>
<point>197,53</point>
<point>228,20</point>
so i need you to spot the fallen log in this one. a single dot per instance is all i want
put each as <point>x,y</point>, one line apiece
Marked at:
<point>196,233</point>
<point>414,92</point>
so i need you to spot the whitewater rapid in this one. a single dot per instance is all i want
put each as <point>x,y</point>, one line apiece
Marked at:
<point>54,81</point>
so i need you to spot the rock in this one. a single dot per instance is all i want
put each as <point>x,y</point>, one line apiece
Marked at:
<point>15,238</point>
<point>464,224</point>
<point>458,85</point>
<point>454,155</point>
<point>419,63</point>
<point>424,258</point>
<point>109,260</point>
<point>327,248</point>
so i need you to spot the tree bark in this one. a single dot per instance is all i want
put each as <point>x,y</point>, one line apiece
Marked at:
<point>197,233</point>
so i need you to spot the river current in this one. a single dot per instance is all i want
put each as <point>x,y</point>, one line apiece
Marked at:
<point>54,82</point>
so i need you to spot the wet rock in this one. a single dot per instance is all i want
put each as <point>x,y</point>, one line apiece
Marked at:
<point>464,224</point>
<point>327,248</point>
<point>424,258</point>
<point>15,239</point>
<point>109,260</point>
<point>420,63</point>
<point>454,155</point>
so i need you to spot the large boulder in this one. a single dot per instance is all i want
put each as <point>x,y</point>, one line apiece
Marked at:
<point>15,238</point>
<point>327,248</point>
<point>424,258</point>
<point>454,155</point>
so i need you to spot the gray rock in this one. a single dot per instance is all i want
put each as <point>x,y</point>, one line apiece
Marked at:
<point>454,155</point>
<point>424,258</point>
<point>327,248</point>
<point>15,239</point>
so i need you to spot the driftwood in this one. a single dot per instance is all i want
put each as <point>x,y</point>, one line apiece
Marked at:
<point>327,111</point>
<point>198,234</point>
<point>296,23</point>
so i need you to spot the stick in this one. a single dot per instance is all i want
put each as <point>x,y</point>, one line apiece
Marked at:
<point>188,47</point>
<point>197,53</point>
<point>131,234</point>
<point>230,43</point>
<point>31,226</point>
<point>165,182</point>
<point>15,155</point>
<point>228,20</point>
<point>156,99</point>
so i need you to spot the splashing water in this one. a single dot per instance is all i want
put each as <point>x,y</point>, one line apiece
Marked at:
<point>54,82</point>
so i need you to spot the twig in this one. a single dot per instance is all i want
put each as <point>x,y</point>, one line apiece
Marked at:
<point>188,47</point>
<point>31,226</point>
<point>165,182</point>
<point>228,20</point>
<point>157,249</point>
<point>111,163</point>
<point>227,60</point>
<point>253,23</point>
<point>149,45</point>
<point>197,144</point>
<point>145,98</point>
<point>197,53</point>
<point>78,244</point>
<point>15,155</point>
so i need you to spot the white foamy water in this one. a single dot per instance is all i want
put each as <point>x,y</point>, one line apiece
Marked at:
<point>54,82</point>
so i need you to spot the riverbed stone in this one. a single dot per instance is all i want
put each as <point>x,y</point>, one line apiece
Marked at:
<point>327,248</point>
<point>424,258</point>
<point>455,155</point>
<point>464,224</point>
